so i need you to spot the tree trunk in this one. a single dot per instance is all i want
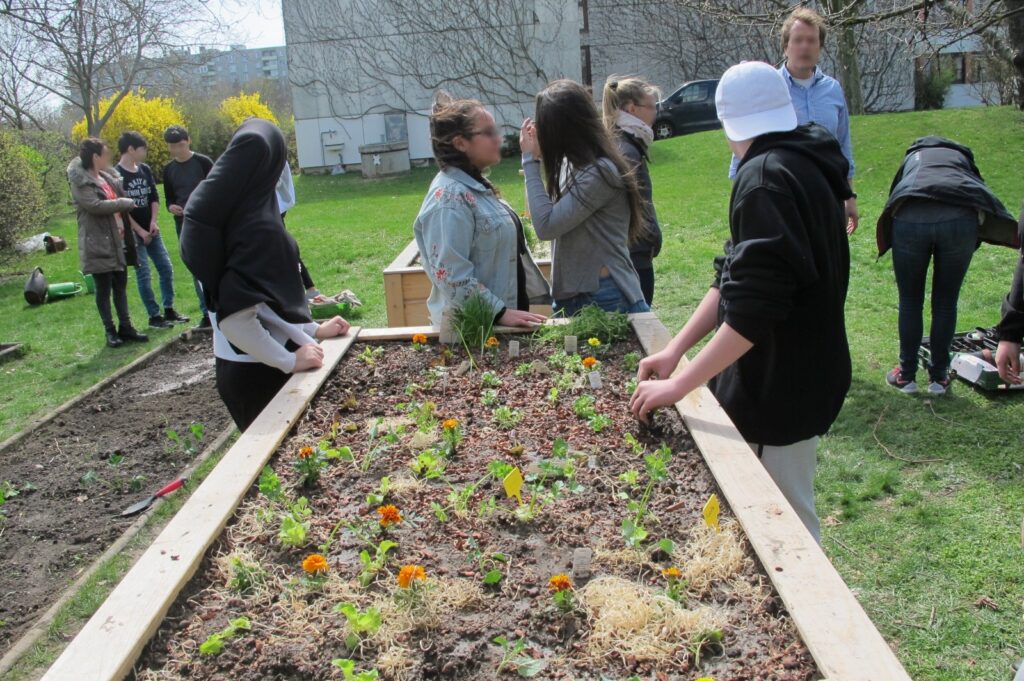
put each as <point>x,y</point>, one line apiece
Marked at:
<point>849,70</point>
<point>1015,31</point>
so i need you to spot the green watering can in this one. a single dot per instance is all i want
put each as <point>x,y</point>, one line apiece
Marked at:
<point>63,290</point>
<point>90,283</point>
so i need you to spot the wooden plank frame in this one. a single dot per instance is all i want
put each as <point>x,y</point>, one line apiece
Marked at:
<point>844,643</point>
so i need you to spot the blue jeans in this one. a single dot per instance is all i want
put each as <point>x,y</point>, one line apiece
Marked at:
<point>951,244</point>
<point>157,252</point>
<point>178,221</point>
<point>608,297</point>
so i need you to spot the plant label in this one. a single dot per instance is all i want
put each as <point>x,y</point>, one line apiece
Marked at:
<point>513,348</point>
<point>513,483</point>
<point>595,379</point>
<point>711,510</point>
<point>570,344</point>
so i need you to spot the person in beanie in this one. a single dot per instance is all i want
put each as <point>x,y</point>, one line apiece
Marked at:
<point>779,362</point>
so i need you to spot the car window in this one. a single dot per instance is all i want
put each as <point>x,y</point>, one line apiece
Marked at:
<point>697,92</point>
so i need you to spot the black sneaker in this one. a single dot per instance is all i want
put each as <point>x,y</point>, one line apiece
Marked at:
<point>113,340</point>
<point>171,315</point>
<point>131,334</point>
<point>901,381</point>
<point>203,324</point>
<point>159,322</point>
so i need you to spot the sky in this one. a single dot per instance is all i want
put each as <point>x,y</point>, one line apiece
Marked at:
<point>258,22</point>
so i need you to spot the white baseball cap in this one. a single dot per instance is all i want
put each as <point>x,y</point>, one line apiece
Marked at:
<point>753,99</point>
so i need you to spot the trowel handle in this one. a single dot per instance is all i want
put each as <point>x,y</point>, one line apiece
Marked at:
<point>177,484</point>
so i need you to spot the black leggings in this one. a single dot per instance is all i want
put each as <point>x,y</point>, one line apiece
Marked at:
<point>116,282</point>
<point>646,275</point>
<point>247,388</point>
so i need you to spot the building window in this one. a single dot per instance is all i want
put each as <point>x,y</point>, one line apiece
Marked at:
<point>587,76</point>
<point>584,16</point>
<point>395,128</point>
<point>955,63</point>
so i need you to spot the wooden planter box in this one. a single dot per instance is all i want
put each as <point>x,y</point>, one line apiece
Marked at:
<point>407,287</point>
<point>844,643</point>
<point>9,350</point>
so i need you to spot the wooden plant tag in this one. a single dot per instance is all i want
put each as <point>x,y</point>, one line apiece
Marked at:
<point>595,379</point>
<point>513,348</point>
<point>513,483</point>
<point>711,510</point>
<point>570,344</point>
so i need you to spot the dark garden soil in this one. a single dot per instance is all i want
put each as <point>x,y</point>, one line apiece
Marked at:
<point>618,619</point>
<point>76,473</point>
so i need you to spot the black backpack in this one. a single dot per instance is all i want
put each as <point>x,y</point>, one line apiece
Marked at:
<point>36,287</point>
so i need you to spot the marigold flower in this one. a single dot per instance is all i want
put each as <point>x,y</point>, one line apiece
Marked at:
<point>410,572</point>
<point>389,515</point>
<point>593,342</point>
<point>560,583</point>
<point>589,362</point>
<point>305,452</point>
<point>314,563</point>
<point>671,573</point>
<point>491,342</point>
<point>419,338</point>
<point>450,424</point>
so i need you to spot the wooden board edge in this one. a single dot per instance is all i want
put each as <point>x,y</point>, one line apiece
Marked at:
<point>403,261</point>
<point>110,642</point>
<point>842,639</point>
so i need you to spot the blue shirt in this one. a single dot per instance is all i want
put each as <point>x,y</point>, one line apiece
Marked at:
<point>823,103</point>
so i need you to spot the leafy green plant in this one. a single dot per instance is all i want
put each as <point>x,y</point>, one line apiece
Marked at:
<point>589,322</point>
<point>424,414</point>
<point>295,523</point>
<point>512,658</point>
<point>430,464</point>
<point>656,465</point>
<point>599,422</point>
<point>348,670</point>
<point>705,642</point>
<point>375,563</point>
<point>490,564</point>
<point>499,469</point>
<point>189,442</point>
<point>631,361</point>
<point>489,379</point>
<point>552,395</point>
<point>369,355</point>
<point>214,643</point>
<point>376,497</point>
<point>524,369</point>
<point>507,418</point>
<point>489,398</point>
<point>245,577</point>
<point>361,623</point>
<point>631,386</point>
<point>584,406</point>
<point>270,484</point>
<point>309,463</point>
<point>472,322</point>
<point>451,436</point>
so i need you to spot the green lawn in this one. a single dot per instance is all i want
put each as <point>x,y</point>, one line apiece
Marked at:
<point>920,543</point>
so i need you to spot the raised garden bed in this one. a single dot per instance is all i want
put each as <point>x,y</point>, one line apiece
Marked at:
<point>614,509</point>
<point>9,351</point>
<point>407,287</point>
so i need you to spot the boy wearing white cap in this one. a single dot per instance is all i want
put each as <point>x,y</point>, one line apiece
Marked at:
<point>779,362</point>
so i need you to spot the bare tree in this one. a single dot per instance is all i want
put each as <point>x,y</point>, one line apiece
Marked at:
<point>380,55</point>
<point>22,104</point>
<point>83,51</point>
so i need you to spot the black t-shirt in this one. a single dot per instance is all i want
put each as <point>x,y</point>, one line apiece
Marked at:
<point>181,179</point>
<point>140,186</point>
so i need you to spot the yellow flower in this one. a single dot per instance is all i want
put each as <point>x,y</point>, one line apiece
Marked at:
<point>671,573</point>
<point>560,583</point>
<point>314,563</point>
<point>305,452</point>
<point>593,342</point>
<point>589,362</point>
<point>410,572</point>
<point>389,515</point>
<point>419,338</point>
<point>491,342</point>
<point>450,424</point>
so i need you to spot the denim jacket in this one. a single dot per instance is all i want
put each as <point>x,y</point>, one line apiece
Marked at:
<point>467,243</point>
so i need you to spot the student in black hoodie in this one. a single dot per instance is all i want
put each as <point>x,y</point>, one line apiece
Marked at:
<point>1011,327</point>
<point>779,362</point>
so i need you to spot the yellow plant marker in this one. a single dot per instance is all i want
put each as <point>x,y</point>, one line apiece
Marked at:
<point>711,510</point>
<point>514,485</point>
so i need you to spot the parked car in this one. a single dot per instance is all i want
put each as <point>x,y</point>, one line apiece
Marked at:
<point>691,108</point>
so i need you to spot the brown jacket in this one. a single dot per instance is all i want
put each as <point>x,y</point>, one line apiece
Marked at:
<point>100,246</point>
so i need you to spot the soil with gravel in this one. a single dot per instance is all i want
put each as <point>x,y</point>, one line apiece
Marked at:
<point>77,472</point>
<point>453,526</point>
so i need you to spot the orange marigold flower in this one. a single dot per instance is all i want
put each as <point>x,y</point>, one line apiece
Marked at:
<point>419,338</point>
<point>389,515</point>
<point>491,342</point>
<point>560,583</point>
<point>671,573</point>
<point>314,563</point>
<point>589,362</point>
<point>305,452</point>
<point>410,572</point>
<point>450,424</point>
